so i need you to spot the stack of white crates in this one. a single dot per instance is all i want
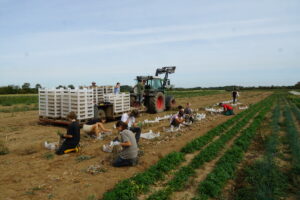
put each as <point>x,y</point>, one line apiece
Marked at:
<point>50,103</point>
<point>79,101</point>
<point>109,89</point>
<point>57,103</point>
<point>120,101</point>
<point>98,93</point>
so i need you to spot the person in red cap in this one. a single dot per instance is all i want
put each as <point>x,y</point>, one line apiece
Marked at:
<point>228,110</point>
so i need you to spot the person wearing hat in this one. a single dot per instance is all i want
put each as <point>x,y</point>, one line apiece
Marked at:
<point>72,137</point>
<point>93,85</point>
<point>228,110</point>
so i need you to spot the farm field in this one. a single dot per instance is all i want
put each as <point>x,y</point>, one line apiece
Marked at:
<point>18,102</point>
<point>198,162</point>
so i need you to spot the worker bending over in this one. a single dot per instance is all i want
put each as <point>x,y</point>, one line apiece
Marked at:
<point>228,110</point>
<point>95,126</point>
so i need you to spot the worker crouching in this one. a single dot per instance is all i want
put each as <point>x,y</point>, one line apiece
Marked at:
<point>128,156</point>
<point>72,138</point>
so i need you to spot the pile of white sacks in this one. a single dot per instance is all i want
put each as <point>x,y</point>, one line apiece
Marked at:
<point>294,92</point>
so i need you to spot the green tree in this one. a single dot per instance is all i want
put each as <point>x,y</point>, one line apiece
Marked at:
<point>61,86</point>
<point>26,88</point>
<point>297,85</point>
<point>37,86</point>
<point>71,86</point>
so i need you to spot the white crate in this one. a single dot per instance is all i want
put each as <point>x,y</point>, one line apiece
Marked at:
<point>98,93</point>
<point>121,102</point>
<point>50,103</point>
<point>79,101</point>
<point>57,103</point>
<point>108,89</point>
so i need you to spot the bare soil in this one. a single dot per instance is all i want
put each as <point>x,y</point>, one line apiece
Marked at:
<point>28,172</point>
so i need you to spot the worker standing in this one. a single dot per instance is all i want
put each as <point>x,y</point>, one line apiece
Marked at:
<point>234,96</point>
<point>228,110</point>
<point>140,91</point>
<point>117,88</point>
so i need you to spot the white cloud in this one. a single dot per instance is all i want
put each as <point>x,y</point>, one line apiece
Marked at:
<point>149,36</point>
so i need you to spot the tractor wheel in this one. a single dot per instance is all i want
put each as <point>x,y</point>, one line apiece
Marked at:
<point>157,103</point>
<point>170,102</point>
<point>100,113</point>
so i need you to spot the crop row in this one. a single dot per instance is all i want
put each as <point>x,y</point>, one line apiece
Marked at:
<point>182,176</point>
<point>131,187</point>
<point>225,167</point>
<point>201,141</point>
<point>263,179</point>
<point>293,139</point>
<point>18,99</point>
<point>296,110</point>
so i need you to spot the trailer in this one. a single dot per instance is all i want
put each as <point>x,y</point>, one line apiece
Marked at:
<point>87,103</point>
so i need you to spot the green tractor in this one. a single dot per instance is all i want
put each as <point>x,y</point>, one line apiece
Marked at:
<point>154,97</point>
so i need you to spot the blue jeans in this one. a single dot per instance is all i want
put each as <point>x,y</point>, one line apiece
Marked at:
<point>137,132</point>
<point>120,162</point>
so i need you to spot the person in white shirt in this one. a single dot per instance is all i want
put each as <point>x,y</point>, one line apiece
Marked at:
<point>129,119</point>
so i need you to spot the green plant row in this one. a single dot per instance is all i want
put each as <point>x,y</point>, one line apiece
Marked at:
<point>182,176</point>
<point>263,179</point>
<point>198,143</point>
<point>131,187</point>
<point>293,139</point>
<point>295,100</point>
<point>225,167</point>
<point>296,111</point>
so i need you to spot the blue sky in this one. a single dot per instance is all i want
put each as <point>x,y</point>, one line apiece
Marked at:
<point>212,43</point>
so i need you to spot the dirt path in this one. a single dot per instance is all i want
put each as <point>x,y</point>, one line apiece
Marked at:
<point>27,174</point>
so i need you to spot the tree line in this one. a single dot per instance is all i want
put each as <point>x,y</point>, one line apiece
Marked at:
<point>26,88</point>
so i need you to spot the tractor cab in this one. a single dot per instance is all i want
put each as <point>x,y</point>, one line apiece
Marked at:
<point>154,98</point>
<point>151,83</point>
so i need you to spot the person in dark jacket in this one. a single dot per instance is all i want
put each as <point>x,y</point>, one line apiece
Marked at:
<point>234,96</point>
<point>72,137</point>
